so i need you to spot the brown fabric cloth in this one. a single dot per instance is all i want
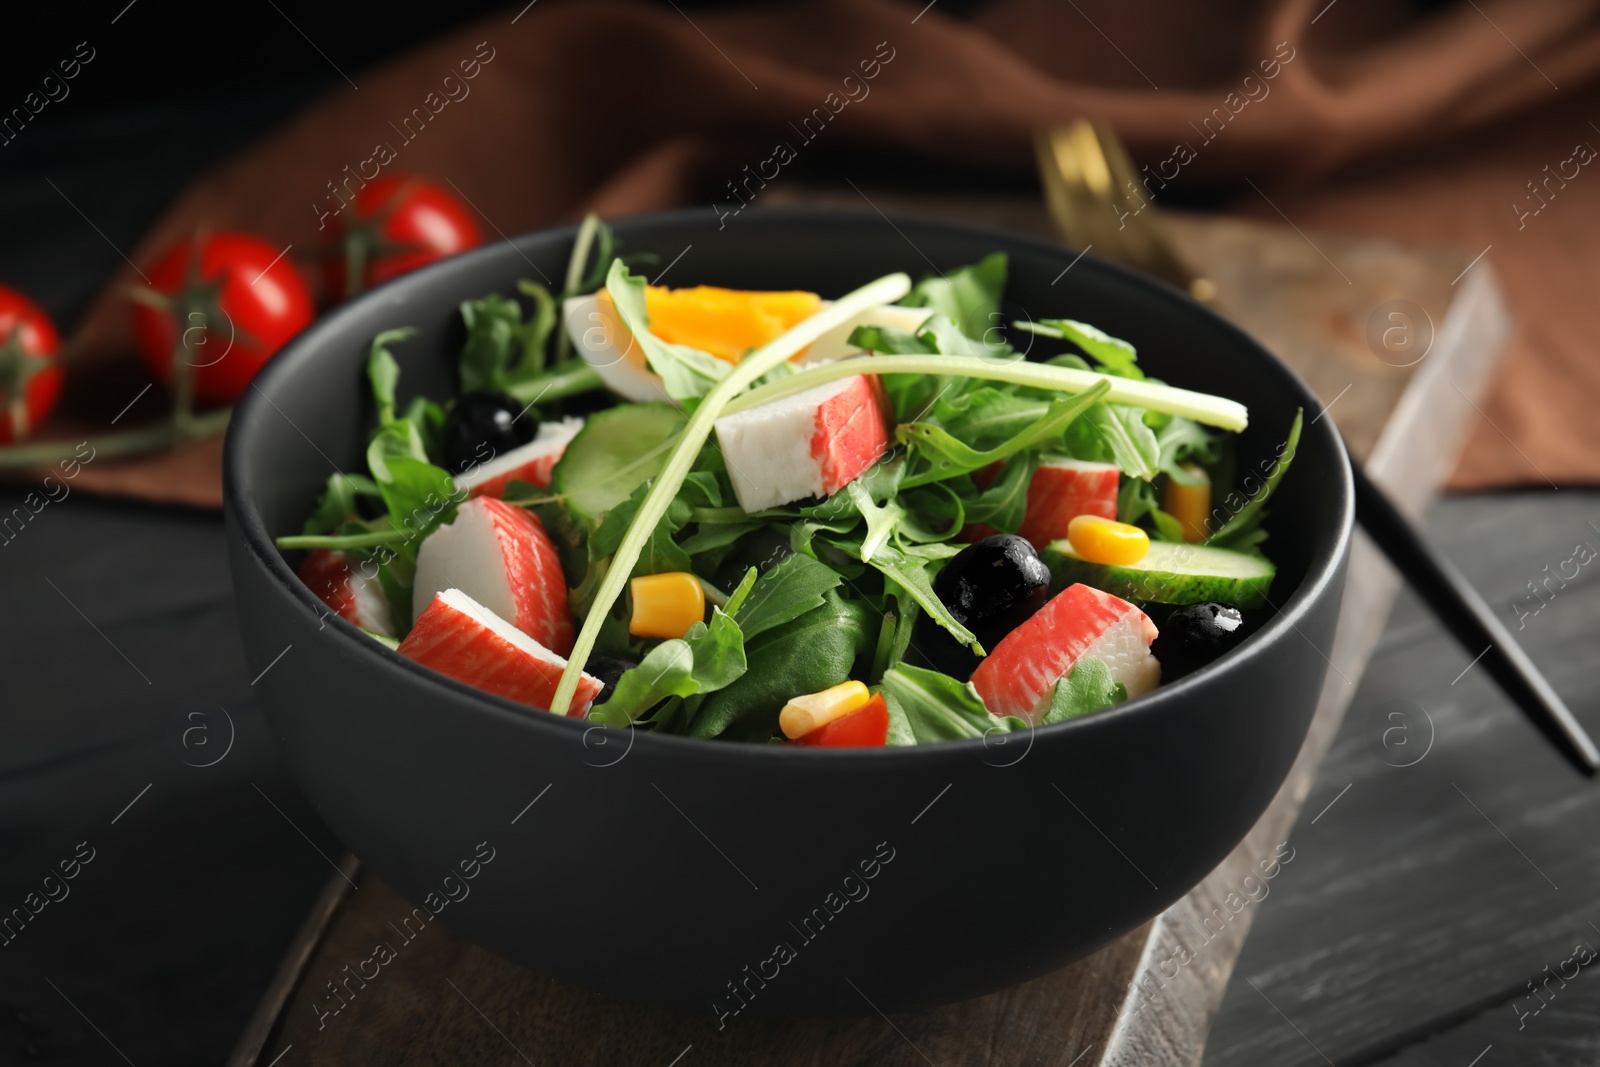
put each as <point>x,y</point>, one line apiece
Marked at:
<point>1422,127</point>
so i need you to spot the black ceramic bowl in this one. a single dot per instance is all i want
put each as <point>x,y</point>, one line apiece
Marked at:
<point>713,874</point>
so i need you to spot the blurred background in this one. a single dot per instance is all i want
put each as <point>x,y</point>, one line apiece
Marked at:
<point>1425,159</point>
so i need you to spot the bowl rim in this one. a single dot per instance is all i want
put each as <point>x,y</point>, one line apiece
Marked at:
<point>1322,569</point>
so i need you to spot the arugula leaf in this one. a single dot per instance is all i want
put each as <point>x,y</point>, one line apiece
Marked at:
<point>811,652</point>
<point>1136,499</point>
<point>1182,441</point>
<point>536,332</point>
<point>911,573</point>
<point>1115,356</point>
<point>968,296</point>
<point>710,536</point>
<point>881,521</point>
<point>741,592</point>
<point>1243,532</point>
<point>661,553</point>
<point>501,348</point>
<point>494,326</point>
<point>685,372</point>
<point>339,502</point>
<point>947,456</point>
<point>1131,444</point>
<point>705,659</point>
<point>984,416</point>
<point>892,340</point>
<point>900,732</point>
<point>383,372</point>
<point>792,587</point>
<point>1088,688</point>
<point>936,707</point>
<point>1004,503</point>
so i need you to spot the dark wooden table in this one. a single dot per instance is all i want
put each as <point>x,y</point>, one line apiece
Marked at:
<point>1421,902</point>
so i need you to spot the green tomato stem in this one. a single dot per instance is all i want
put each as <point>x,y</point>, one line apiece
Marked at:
<point>774,353</point>
<point>1153,396</point>
<point>131,442</point>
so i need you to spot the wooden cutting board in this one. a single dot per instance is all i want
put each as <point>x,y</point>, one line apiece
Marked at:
<point>1395,340</point>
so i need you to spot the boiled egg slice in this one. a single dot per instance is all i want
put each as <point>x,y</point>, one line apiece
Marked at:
<point>725,323</point>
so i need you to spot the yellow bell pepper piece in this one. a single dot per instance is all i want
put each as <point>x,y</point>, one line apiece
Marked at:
<point>666,605</point>
<point>1190,504</point>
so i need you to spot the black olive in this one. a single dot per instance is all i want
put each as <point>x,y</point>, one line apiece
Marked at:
<point>608,669</point>
<point>992,587</point>
<point>761,549</point>
<point>1194,636</point>
<point>482,426</point>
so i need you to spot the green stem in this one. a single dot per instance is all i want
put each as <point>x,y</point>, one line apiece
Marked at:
<point>366,540</point>
<point>1153,396</point>
<point>580,256</point>
<point>713,594</point>
<point>565,380</point>
<point>774,353</point>
<point>131,442</point>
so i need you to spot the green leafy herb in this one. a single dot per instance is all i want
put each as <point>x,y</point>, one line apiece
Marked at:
<point>807,654</point>
<point>384,373</point>
<point>704,660</point>
<point>967,296</point>
<point>340,501</point>
<point>936,707</point>
<point>1243,531</point>
<point>947,456</point>
<point>1088,688</point>
<point>1113,355</point>
<point>792,587</point>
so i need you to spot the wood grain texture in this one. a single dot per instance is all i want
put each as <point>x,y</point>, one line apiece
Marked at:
<point>442,1000</point>
<point>1133,1002</point>
<point>1468,871</point>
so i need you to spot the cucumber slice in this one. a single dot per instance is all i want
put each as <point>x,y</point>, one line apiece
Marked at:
<point>391,643</point>
<point>1170,573</point>
<point>617,450</point>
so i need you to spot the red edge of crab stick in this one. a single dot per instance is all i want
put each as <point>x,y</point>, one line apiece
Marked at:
<point>531,463</point>
<point>352,596</point>
<point>1060,490</point>
<point>459,637</point>
<point>500,556</point>
<point>1020,673</point>
<point>805,445</point>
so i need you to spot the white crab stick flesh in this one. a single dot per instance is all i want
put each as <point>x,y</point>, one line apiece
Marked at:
<point>501,557</point>
<point>1019,675</point>
<point>459,637</point>
<point>806,445</point>
<point>531,463</point>
<point>352,595</point>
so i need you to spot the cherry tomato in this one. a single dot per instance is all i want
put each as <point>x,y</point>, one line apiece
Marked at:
<point>395,225</point>
<point>30,380</point>
<point>230,301</point>
<point>866,727</point>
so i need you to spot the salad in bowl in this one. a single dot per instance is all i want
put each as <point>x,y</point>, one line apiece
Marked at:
<point>881,517</point>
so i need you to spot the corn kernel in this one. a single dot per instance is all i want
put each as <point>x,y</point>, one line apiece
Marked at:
<point>666,605</point>
<point>1190,504</point>
<point>814,710</point>
<point>1101,540</point>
